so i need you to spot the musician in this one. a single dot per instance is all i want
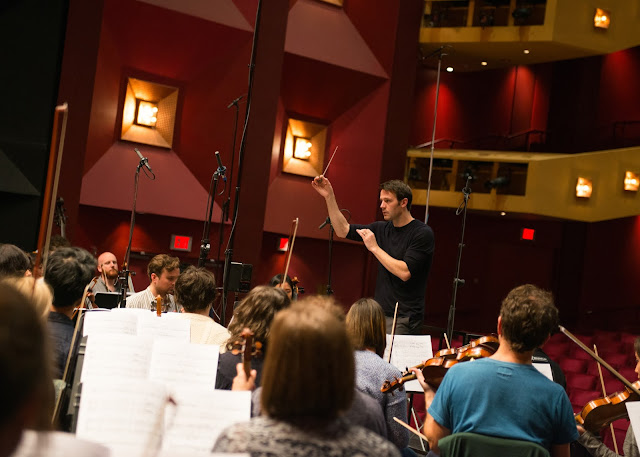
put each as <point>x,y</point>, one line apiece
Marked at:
<point>14,261</point>
<point>255,312</point>
<point>39,293</point>
<point>26,392</point>
<point>287,285</point>
<point>597,448</point>
<point>163,272</point>
<point>366,328</point>
<point>308,381</point>
<point>402,245</point>
<point>68,272</point>
<point>108,270</point>
<point>504,395</point>
<point>195,293</point>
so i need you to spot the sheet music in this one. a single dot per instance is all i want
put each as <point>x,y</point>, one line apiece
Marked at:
<point>200,415</point>
<point>409,351</point>
<point>126,416</point>
<point>57,444</point>
<point>544,368</point>
<point>633,409</point>
<point>161,327</point>
<point>179,363</point>
<point>117,356</point>
<point>110,323</point>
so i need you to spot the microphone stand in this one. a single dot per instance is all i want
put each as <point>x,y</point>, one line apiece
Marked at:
<point>328,222</point>
<point>205,245</point>
<point>125,273</point>
<point>228,254</point>
<point>466,191</point>
<point>225,206</point>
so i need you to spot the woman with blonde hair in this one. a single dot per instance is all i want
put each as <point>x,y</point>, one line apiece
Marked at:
<point>256,313</point>
<point>308,383</point>
<point>38,292</point>
<point>366,326</point>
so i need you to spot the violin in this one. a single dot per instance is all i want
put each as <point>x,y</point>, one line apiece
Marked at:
<point>435,368</point>
<point>601,412</point>
<point>490,342</point>
<point>246,346</point>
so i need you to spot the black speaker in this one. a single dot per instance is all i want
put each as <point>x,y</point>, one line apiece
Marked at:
<point>240,277</point>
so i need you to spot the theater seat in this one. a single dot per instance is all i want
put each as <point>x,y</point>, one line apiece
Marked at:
<point>573,366</point>
<point>475,445</point>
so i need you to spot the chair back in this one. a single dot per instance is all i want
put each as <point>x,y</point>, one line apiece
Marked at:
<point>475,445</point>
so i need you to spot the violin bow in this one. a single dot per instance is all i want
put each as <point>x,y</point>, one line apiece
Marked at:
<point>612,370</point>
<point>292,240</point>
<point>411,429</point>
<point>393,332</point>
<point>604,393</point>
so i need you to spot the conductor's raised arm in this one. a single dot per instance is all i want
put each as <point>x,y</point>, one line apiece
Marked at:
<point>323,187</point>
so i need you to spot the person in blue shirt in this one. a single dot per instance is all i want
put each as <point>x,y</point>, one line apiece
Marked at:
<point>505,395</point>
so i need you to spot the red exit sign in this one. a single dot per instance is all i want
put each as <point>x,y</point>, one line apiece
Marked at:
<point>180,243</point>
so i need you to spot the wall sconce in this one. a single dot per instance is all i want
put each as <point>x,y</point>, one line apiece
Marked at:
<point>301,148</point>
<point>584,188</point>
<point>602,19</point>
<point>631,181</point>
<point>146,113</point>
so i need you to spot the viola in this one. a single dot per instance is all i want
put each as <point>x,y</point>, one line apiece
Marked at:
<point>435,368</point>
<point>601,412</point>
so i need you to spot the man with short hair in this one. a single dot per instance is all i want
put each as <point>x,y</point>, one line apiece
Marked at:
<point>402,245</point>
<point>68,272</point>
<point>163,271</point>
<point>505,395</point>
<point>14,261</point>
<point>108,269</point>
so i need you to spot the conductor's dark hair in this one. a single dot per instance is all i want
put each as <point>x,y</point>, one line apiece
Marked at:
<point>400,189</point>
<point>68,271</point>
<point>13,261</point>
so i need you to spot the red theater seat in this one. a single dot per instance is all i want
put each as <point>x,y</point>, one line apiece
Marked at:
<point>581,381</point>
<point>573,366</point>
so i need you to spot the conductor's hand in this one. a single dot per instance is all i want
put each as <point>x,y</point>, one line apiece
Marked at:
<point>240,382</point>
<point>428,391</point>
<point>368,238</point>
<point>322,186</point>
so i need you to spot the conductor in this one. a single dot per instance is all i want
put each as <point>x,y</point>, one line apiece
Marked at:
<point>402,245</point>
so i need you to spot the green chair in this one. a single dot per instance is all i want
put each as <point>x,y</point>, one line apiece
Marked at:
<point>475,445</point>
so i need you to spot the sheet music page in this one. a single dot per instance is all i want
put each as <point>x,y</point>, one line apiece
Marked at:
<point>179,363</point>
<point>633,408</point>
<point>200,415</point>
<point>117,356</point>
<point>544,368</point>
<point>162,327</point>
<point>57,444</point>
<point>109,322</point>
<point>409,351</point>
<point>126,416</point>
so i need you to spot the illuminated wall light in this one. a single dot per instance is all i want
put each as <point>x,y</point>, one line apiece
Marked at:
<point>526,51</point>
<point>483,63</point>
<point>301,148</point>
<point>147,113</point>
<point>584,188</point>
<point>450,69</point>
<point>602,19</point>
<point>631,181</point>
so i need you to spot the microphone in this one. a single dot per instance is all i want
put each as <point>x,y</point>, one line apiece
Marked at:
<point>221,168</point>
<point>326,221</point>
<point>143,160</point>
<point>235,102</point>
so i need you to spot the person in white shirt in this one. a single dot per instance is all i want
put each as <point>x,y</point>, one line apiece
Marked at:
<point>163,271</point>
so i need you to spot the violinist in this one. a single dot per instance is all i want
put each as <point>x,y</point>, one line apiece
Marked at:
<point>68,272</point>
<point>402,245</point>
<point>595,446</point>
<point>504,395</point>
<point>255,312</point>
<point>366,327</point>
<point>163,271</point>
<point>108,269</point>
<point>286,285</point>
